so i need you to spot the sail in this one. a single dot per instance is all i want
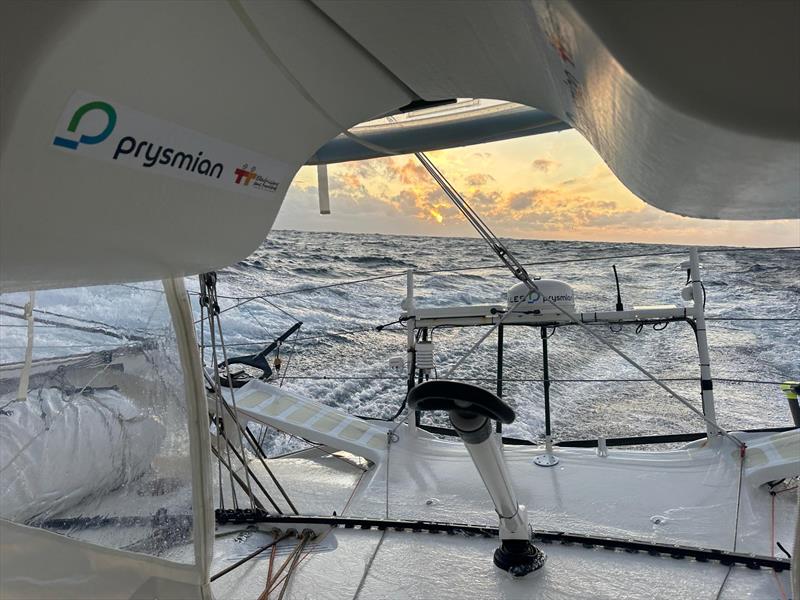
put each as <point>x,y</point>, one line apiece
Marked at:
<point>149,140</point>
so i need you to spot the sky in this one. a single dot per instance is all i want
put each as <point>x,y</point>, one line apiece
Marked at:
<point>552,186</point>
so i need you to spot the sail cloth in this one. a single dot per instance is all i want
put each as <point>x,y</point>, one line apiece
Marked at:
<point>143,141</point>
<point>57,451</point>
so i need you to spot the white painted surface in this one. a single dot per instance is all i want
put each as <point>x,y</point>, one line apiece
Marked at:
<point>40,565</point>
<point>687,496</point>
<point>290,412</point>
<point>282,78</point>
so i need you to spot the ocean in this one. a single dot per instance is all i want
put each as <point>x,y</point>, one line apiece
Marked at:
<point>352,371</point>
<point>342,286</point>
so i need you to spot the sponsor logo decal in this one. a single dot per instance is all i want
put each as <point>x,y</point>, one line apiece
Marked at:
<point>535,297</point>
<point>72,144</point>
<point>243,176</point>
<point>99,129</point>
<point>176,159</point>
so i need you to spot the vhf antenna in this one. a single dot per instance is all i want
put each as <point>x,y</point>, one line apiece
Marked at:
<point>619,297</point>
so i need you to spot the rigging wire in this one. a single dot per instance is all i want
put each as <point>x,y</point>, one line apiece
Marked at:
<point>109,328</point>
<point>324,334</point>
<point>210,306</point>
<point>390,438</point>
<point>85,329</point>
<point>606,257</point>
<point>295,340</point>
<point>216,424</point>
<point>752,318</point>
<point>369,565</point>
<point>345,332</point>
<point>400,330</point>
<point>247,299</point>
<point>285,312</point>
<point>496,266</point>
<point>530,380</point>
<point>483,337</point>
<point>774,542</point>
<point>519,271</point>
<point>208,285</point>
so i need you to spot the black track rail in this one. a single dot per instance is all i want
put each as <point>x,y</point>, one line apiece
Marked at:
<point>640,440</point>
<point>724,557</point>
<point>253,517</point>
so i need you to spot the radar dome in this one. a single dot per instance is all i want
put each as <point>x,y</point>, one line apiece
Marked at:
<point>550,290</point>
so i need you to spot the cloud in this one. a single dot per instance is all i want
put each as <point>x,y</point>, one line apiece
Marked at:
<point>545,165</point>
<point>412,172</point>
<point>552,209</point>
<point>406,202</point>
<point>485,198</point>
<point>478,179</point>
<point>522,197</point>
<point>400,187</point>
<point>521,200</point>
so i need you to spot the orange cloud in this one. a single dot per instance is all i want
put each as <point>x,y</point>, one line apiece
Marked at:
<point>478,179</point>
<point>411,173</point>
<point>405,188</point>
<point>514,194</point>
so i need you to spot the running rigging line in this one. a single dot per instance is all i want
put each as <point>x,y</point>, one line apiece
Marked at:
<point>520,273</point>
<point>209,310</point>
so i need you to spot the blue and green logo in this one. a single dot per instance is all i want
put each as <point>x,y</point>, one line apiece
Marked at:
<point>72,144</point>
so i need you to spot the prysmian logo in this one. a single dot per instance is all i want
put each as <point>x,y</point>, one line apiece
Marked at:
<point>99,128</point>
<point>534,297</point>
<point>177,159</point>
<point>150,153</point>
<point>105,107</point>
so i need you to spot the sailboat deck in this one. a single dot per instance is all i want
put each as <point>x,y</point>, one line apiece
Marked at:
<point>689,496</point>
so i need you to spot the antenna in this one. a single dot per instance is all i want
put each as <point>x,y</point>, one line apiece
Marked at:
<point>619,297</point>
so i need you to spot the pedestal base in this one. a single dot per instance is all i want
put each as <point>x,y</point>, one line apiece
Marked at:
<point>519,557</point>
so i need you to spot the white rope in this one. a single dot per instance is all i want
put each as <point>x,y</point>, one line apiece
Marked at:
<point>24,378</point>
<point>369,565</point>
<point>390,435</point>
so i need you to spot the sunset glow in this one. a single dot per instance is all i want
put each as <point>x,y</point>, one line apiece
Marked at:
<point>552,186</point>
<point>436,215</point>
